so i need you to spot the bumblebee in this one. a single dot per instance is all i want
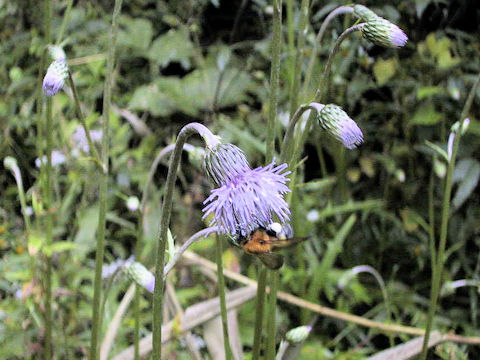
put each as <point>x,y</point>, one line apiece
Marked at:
<point>263,241</point>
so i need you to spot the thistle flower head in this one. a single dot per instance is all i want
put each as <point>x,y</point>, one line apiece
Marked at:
<point>384,33</point>
<point>364,13</point>
<point>247,199</point>
<point>338,124</point>
<point>225,162</point>
<point>54,80</point>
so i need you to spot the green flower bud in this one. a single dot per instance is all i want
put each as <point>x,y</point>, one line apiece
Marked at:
<point>336,122</point>
<point>384,33</point>
<point>298,334</point>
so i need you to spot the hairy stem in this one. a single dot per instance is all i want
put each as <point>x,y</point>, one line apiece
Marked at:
<point>97,292</point>
<point>259,311</point>
<point>183,135</point>
<point>66,15</point>
<point>221,295</point>
<point>318,40</point>
<point>48,191</point>
<point>440,260</point>
<point>297,74</point>
<point>271,315</point>
<point>274,77</point>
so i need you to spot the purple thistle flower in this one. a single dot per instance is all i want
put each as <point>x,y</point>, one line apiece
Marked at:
<point>247,199</point>
<point>337,122</point>
<point>54,80</point>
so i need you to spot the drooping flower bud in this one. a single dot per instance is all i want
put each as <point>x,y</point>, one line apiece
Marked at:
<point>384,33</point>
<point>55,78</point>
<point>298,334</point>
<point>364,13</point>
<point>140,274</point>
<point>338,124</point>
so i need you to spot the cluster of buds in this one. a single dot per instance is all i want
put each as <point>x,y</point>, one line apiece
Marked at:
<point>378,30</point>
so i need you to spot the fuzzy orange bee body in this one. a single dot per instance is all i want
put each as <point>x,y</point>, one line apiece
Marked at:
<point>262,242</point>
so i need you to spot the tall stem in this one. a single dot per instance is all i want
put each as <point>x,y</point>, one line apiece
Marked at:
<point>297,75</point>
<point>440,261</point>
<point>259,310</point>
<point>183,135</point>
<point>48,190</point>
<point>274,77</point>
<point>274,81</point>
<point>271,315</point>
<point>221,295</point>
<point>318,40</point>
<point>97,294</point>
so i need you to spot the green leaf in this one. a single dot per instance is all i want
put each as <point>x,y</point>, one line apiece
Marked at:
<point>467,173</point>
<point>426,115</point>
<point>136,33</point>
<point>384,70</point>
<point>87,227</point>
<point>428,91</point>
<point>59,246</point>
<point>175,45</point>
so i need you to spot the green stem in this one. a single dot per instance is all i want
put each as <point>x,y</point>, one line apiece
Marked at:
<point>274,77</point>
<point>97,293</point>
<point>271,315</point>
<point>221,295</point>
<point>440,261</point>
<point>49,232</point>
<point>48,203</point>
<point>318,40</point>
<point>297,75</point>
<point>61,32</point>
<point>259,311</point>
<point>290,42</point>
<point>183,135</point>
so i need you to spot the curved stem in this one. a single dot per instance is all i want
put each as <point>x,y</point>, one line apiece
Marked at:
<point>318,40</point>
<point>183,135</point>
<point>440,261</point>
<point>371,270</point>
<point>97,294</point>
<point>321,90</point>
<point>178,254</point>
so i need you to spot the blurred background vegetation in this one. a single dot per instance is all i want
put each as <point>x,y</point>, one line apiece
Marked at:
<point>208,61</point>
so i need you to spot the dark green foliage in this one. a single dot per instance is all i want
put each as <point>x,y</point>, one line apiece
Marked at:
<point>179,61</point>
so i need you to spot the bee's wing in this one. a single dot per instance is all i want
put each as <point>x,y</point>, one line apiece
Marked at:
<point>283,243</point>
<point>272,261</point>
